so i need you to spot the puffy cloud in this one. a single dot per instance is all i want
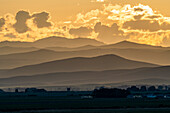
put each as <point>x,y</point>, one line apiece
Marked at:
<point>41,19</point>
<point>166,40</point>
<point>146,25</point>
<point>165,26</point>
<point>10,35</point>
<point>142,25</point>
<point>154,16</point>
<point>81,31</point>
<point>138,17</point>
<point>2,22</point>
<point>109,34</point>
<point>138,9</point>
<point>154,38</point>
<point>25,26</point>
<point>21,19</point>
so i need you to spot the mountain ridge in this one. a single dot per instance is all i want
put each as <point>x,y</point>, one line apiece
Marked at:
<point>99,63</point>
<point>52,42</point>
<point>86,77</point>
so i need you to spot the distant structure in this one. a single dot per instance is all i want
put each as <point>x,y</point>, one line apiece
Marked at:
<point>68,89</point>
<point>16,91</point>
<point>34,90</point>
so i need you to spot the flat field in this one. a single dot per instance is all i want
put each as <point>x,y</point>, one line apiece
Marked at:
<point>78,105</point>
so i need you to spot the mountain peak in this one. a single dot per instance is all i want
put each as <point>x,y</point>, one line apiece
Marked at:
<point>134,45</point>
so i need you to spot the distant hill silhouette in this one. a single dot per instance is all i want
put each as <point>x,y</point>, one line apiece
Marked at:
<point>120,45</point>
<point>99,63</point>
<point>89,77</point>
<point>10,50</point>
<point>86,47</point>
<point>127,44</point>
<point>128,50</point>
<point>27,58</point>
<point>140,52</point>
<point>53,42</point>
<point>65,42</point>
<point>150,81</point>
<point>154,56</point>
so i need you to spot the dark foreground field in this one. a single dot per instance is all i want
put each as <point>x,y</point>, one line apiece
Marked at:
<point>77,105</point>
<point>134,110</point>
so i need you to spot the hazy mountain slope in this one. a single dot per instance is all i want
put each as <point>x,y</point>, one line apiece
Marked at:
<point>129,50</point>
<point>120,45</point>
<point>15,44</point>
<point>156,56</point>
<point>106,62</point>
<point>64,42</point>
<point>150,81</point>
<point>127,45</point>
<point>21,59</point>
<point>53,42</point>
<point>86,47</point>
<point>93,77</point>
<point>10,50</point>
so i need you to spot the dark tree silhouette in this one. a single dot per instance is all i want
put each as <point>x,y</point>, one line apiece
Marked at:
<point>110,93</point>
<point>152,88</point>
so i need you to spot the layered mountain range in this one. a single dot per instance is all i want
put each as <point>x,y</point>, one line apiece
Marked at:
<point>58,61</point>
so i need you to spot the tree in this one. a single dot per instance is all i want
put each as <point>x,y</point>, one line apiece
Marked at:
<point>143,88</point>
<point>152,88</point>
<point>110,93</point>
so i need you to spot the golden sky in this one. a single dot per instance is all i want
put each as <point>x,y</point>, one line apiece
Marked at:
<point>110,21</point>
<point>62,9</point>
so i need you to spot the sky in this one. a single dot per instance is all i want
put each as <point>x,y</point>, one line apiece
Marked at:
<point>109,21</point>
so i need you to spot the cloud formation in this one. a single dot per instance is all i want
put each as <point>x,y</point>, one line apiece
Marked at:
<point>41,19</point>
<point>110,24</point>
<point>166,41</point>
<point>145,24</point>
<point>2,22</point>
<point>139,23</point>
<point>108,34</point>
<point>21,19</point>
<point>81,31</point>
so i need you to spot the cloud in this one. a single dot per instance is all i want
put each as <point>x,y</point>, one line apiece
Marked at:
<point>21,19</point>
<point>81,31</point>
<point>154,16</point>
<point>25,26</point>
<point>109,34</point>
<point>98,1</point>
<point>10,35</point>
<point>2,22</point>
<point>41,19</point>
<point>142,25</point>
<point>138,17</point>
<point>145,25</point>
<point>166,41</point>
<point>138,9</point>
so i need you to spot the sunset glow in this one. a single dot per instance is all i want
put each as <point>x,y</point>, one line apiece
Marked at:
<point>136,23</point>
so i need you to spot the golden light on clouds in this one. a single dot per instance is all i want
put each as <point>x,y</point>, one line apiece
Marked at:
<point>98,1</point>
<point>110,24</point>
